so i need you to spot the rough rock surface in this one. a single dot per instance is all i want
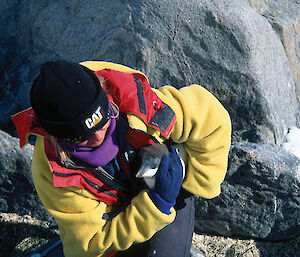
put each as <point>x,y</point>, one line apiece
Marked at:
<point>17,193</point>
<point>247,54</point>
<point>284,16</point>
<point>225,46</point>
<point>260,196</point>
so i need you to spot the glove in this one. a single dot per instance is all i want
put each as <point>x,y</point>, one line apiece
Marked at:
<point>168,182</point>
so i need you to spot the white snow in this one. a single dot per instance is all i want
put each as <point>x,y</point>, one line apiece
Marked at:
<point>292,143</point>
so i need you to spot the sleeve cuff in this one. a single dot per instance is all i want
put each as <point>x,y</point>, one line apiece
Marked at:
<point>160,203</point>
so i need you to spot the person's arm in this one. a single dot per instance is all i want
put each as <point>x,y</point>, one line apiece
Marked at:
<point>79,215</point>
<point>204,126</point>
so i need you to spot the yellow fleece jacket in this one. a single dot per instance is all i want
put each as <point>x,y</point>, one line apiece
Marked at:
<point>203,127</point>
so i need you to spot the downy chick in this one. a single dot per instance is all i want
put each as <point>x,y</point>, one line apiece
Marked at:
<point>150,157</point>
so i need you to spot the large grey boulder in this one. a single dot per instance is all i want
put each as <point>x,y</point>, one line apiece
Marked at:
<point>260,196</point>
<point>224,45</point>
<point>24,222</point>
<point>17,193</point>
<point>284,16</point>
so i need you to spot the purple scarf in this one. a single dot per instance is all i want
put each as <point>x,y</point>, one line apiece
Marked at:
<point>99,156</point>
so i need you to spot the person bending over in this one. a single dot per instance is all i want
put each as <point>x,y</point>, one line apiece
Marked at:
<point>90,120</point>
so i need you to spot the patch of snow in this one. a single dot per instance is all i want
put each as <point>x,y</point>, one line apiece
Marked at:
<point>292,143</point>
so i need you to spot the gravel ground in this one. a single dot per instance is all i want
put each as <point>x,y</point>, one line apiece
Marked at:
<point>215,246</point>
<point>19,235</point>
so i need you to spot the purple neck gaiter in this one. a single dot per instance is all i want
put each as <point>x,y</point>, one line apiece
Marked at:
<point>99,156</point>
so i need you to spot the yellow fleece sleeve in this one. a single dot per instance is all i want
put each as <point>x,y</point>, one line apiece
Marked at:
<point>79,215</point>
<point>204,126</point>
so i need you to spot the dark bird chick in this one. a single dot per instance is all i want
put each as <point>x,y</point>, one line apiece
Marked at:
<point>150,157</point>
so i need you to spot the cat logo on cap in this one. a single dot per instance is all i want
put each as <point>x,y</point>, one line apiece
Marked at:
<point>94,119</point>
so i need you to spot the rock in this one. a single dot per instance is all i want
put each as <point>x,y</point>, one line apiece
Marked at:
<point>284,16</point>
<point>225,46</point>
<point>233,247</point>
<point>17,193</point>
<point>197,253</point>
<point>260,196</point>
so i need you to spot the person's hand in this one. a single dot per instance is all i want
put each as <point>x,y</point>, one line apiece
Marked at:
<point>168,181</point>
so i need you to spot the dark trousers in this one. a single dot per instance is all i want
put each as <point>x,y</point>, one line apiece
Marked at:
<point>175,239</point>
